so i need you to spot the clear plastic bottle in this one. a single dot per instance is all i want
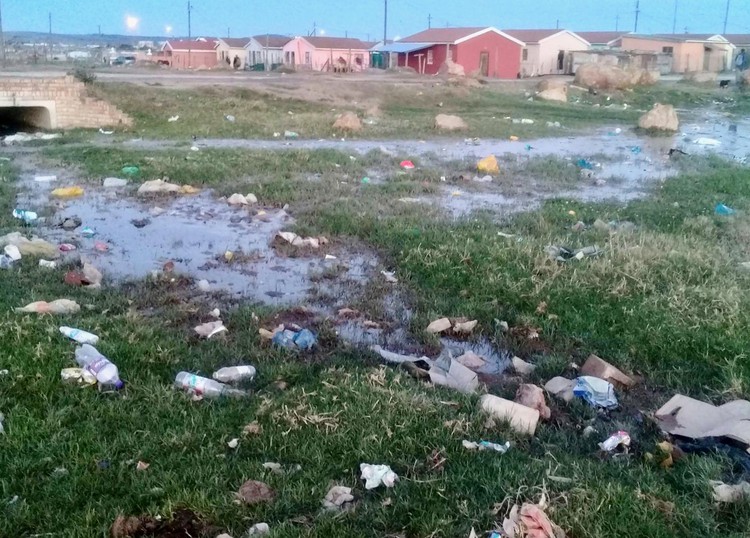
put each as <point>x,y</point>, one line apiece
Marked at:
<point>105,371</point>
<point>82,337</point>
<point>235,374</point>
<point>207,388</point>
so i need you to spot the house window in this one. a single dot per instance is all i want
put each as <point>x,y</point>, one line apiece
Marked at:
<point>667,50</point>
<point>525,55</point>
<point>430,57</point>
<point>307,58</point>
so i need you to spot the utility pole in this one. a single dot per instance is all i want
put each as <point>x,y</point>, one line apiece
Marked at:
<point>557,24</point>
<point>385,24</point>
<point>726,17</point>
<point>100,29</point>
<point>228,35</point>
<point>2,37</point>
<point>429,20</point>
<point>637,13</point>
<point>50,23</point>
<point>674,19</point>
<point>49,45</point>
<point>617,23</point>
<point>190,36</point>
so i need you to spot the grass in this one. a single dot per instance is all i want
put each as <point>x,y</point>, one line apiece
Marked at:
<point>403,111</point>
<point>665,301</point>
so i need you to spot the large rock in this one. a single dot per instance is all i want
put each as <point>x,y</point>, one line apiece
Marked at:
<point>348,121</point>
<point>661,118</point>
<point>452,69</point>
<point>446,122</point>
<point>551,84</point>
<point>701,77</point>
<point>555,94</point>
<point>608,77</point>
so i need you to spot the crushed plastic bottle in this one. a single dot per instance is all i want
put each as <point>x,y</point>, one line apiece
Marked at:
<point>235,374</point>
<point>304,339</point>
<point>204,387</point>
<point>105,371</point>
<point>27,216</point>
<point>82,337</point>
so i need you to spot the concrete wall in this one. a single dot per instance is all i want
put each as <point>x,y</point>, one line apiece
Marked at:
<point>686,57</point>
<point>65,101</point>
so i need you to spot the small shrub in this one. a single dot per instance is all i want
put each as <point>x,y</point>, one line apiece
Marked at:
<point>84,74</point>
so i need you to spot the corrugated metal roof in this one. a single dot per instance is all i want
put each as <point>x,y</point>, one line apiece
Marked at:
<point>320,42</point>
<point>737,39</point>
<point>442,35</point>
<point>275,41</point>
<point>402,48</point>
<point>236,42</point>
<point>531,35</point>
<point>601,38</point>
<point>186,44</point>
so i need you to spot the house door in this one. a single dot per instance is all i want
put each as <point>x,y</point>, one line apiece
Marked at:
<point>560,61</point>
<point>484,64</point>
<point>707,59</point>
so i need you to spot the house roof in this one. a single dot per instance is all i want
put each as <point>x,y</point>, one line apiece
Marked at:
<point>531,35</point>
<point>321,42</point>
<point>275,41</point>
<point>601,38</point>
<point>402,48</point>
<point>682,38</point>
<point>235,42</point>
<point>738,39</point>
<point>187,44</point>
<point>441,35</point>
<point>454,36</point>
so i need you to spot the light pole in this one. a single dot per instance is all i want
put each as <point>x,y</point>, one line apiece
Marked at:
<point>190,37</point>
<point>2,37</point>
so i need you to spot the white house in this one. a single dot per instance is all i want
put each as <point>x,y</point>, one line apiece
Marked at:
<point>267,49</point>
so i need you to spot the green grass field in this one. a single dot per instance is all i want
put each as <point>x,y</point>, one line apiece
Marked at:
<point>667,302</point>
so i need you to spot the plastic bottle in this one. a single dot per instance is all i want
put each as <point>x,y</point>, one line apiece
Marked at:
<point>235,374</point>
<point>106,373</point>
<point>202,386</point>
<point>82,337</point>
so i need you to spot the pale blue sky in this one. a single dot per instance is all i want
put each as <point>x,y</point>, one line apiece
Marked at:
<point>361,18</point>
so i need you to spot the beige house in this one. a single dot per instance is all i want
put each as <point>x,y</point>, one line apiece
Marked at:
<point>547,52</point>
<point>689,52</point>
<point>232,53</point>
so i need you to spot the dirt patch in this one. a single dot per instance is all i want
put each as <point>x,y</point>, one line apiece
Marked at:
<point>183,524</point>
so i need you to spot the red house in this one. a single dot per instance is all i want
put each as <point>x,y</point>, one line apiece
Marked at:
<point>190,54</point>
<point>486,51</point>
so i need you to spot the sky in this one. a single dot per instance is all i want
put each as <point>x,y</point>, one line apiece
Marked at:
<point>364,18</point>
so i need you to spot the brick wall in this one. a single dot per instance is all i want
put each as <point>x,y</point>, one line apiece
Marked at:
<point>73,106</point>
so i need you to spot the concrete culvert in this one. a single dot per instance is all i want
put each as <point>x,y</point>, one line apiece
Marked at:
<point>15,119</point>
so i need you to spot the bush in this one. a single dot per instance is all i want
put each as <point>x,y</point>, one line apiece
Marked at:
<point>84,74</point>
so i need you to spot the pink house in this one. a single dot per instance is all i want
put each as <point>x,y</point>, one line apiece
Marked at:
<point>338,54</point>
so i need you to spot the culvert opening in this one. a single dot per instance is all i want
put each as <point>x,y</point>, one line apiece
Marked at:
<point>14,119</point>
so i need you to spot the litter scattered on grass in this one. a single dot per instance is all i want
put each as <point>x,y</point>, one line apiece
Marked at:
<point>615,441</point>
<point>687,417</point>
<point>486,445</point>
<point>338,498</point>
<point>303,340</point>
<point>521,418</point>
<point>212,328</point>
<point>595,391</point>
<point>377,475</point>
<point>58,306</point>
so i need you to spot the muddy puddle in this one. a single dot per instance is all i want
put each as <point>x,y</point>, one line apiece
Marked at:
<point>195,232</point>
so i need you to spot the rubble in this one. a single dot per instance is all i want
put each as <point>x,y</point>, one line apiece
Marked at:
<point>533,396</point>
<point>446,122</point>
<point>348,121</point>
<point>521,418</point>
<point>596,367</point>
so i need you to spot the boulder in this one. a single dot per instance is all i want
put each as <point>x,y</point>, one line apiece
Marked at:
<point>609,77</point>
<point>559,94</point>
<point>452,69</point>
<point>348,121</point>
<point>551,84</point>
<point>701,77</point>
<point>446,122</point>
<point>661,117</point>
